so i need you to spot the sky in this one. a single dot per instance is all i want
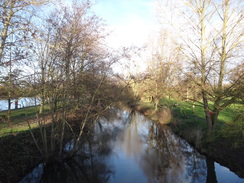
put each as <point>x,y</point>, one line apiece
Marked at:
<point>130,21</point>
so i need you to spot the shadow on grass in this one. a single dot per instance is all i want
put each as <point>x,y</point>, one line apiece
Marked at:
<point>190,123</point>
<point>18,154</point>
<point>19,118</point>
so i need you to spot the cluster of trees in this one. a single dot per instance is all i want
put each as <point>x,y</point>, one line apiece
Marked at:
<point>72,67</point>
<point>16,31</point>
<point>199,55</point>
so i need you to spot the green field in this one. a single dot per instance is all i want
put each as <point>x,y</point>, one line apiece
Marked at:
<point>190,122</point>
<point>19,120</point>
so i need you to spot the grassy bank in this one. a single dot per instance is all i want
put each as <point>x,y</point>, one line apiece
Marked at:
<point>19,118</point>
<point>189,121</point>
<point>18,153</point>
<point>225,144</point>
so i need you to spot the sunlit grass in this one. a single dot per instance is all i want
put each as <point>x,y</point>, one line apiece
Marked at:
<point>187,110</point>
<point>189,119</point>
<point>14,129</point>
<point>19,120</point>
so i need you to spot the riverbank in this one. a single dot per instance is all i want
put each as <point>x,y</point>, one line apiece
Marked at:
<point>18,155</point>
<point>224,145</point>
<point>18,152</point>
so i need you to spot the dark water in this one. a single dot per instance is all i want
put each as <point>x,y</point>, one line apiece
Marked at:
<point>128,148</point>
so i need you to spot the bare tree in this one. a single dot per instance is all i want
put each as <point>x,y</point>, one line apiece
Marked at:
<point>15,21</point>
<point>212,40</point>
<point>15,32</point>
<point>163,67</point>
<point>228,44</point>
<point>73,70</point>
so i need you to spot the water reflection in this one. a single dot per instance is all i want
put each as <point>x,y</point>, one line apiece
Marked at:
<point>22,102</point>
<point>86,167</point>
<point>126,147</point>
<point>161,155</point>
<point>211,175</point>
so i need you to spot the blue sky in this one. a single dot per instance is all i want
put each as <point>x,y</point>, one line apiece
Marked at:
<point>131,21</point>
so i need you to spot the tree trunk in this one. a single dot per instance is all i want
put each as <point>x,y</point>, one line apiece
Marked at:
<point>9,108</point>
<point>214,117</point>
<point>10,87</point>
<point>43,87</point>
<point>4,35</point>
<point>206,110</point>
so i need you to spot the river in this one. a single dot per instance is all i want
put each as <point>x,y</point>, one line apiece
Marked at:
<point>22,102</point>
<point>128,148</point>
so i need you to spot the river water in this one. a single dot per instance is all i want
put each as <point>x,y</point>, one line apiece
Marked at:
<point>22,102</point>
<point>128,148</point>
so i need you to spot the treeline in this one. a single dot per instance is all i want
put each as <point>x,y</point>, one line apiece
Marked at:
<point>198,56</point>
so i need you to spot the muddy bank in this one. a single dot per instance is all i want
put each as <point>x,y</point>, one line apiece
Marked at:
<point>222,151</point>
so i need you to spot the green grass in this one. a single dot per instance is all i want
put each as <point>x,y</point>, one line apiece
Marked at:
<point>185,111</point>
<point>14,129</point>
<point>19,119</point>
<point>191,120</point>
<point>229,114</point>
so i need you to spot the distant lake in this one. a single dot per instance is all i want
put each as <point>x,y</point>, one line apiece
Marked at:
<point>22,102</point>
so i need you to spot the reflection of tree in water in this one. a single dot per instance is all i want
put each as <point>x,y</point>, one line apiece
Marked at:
<point>107,130</point>
<point>162,156</point>
<point>211,176</point>
<point>170,159</point>
<point>88,167</point>
<point>89,164</point>
<point>79,169</point>
<point>131,141</point>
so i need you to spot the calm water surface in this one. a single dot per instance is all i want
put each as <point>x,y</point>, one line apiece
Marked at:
<point>22,102</point>
<point>128,148</point>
